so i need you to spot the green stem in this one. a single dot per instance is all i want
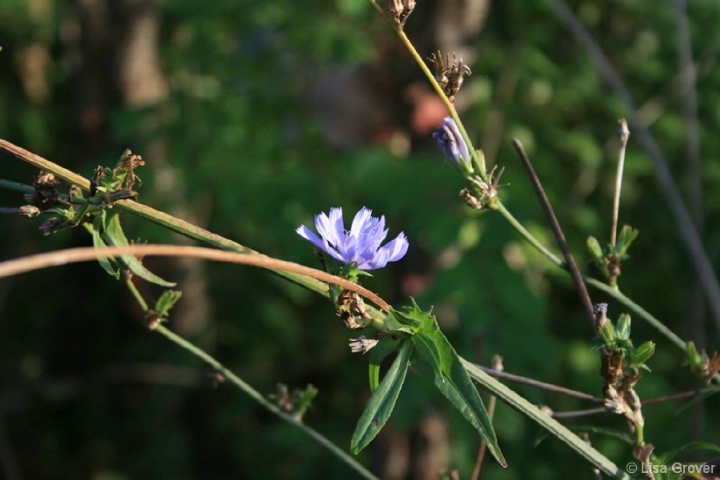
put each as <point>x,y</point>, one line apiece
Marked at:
<point>478,160</point>
<point>548,423</point>
<point>237,381</point>
<point>138,297</point>
<point>615,293</point>
<point>16,186</point>
<point>500,207</point>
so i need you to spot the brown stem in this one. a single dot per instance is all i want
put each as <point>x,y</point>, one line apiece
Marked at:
<point>83,254</point>
<point>538,384</point>
<point>686,227</point>
<point>559,236</point>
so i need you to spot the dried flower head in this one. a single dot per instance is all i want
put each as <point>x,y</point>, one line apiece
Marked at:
<point>449,75</point>
<point>362,344</point>
<point>400,10</point>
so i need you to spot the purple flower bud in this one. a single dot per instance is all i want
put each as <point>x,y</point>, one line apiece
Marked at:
<point>453,145</point>
<point>361,244</point>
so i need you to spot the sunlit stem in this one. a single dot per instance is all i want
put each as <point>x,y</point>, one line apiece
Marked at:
<point>624,134</point>
<point>478,161</point>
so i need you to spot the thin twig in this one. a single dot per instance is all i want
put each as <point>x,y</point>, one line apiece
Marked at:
<point>538,384</point>
<point>624,135</point>
<point>672,396</point>
<point>686,227</point>
<point>594,411</point>
<point>160,218</point>
<point>497,367</point>
<point>559,236</point>
<point>257,396</point>
<point>84,254</point>
<point>478,160</point>
<point>579,413</point>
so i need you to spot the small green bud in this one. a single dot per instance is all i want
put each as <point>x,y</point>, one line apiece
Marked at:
<point>625,239</point>
<point>166,302</point>
<point>595,249</point>
<point>695,358</point>
<point>607,333</point>
<point>642,354</point>
<point>623,327</point>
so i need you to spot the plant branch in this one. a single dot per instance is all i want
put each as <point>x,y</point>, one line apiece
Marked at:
<point>552,220</point>
<point>624,135</point>
<point>552,426</point>
<point>478,160</point>
<point>160,218</point>
<point>686,227</point>
<point>247,389</point>
<point>538,384</point>
<point>83,254</point>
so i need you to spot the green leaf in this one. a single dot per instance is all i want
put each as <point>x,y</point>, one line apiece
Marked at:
<point>402,322</point>
<point>108,264</point>
<point>166,302</point>
<point>382,401</point>
<point>385,346</point>
<point>642,354</point>
<point>113,235</point>
<point>667,457</point>
<point>440,361</point>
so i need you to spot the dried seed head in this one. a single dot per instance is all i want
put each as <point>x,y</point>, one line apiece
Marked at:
<point>400,10</point>
<point>351,309</point>
<point>29,211</point>
<point>362,344</point>
<point>449,75</point>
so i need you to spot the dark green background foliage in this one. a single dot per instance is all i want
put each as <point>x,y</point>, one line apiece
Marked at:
<point>235,144</point>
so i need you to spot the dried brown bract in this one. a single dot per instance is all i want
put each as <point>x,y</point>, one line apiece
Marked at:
<point>400,10</point>
<point>351,308</point>
<point>449,75</point>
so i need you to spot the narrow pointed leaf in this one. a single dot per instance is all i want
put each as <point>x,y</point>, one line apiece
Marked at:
<point>114,235</point>
<point>108,264</point>
<point>381,403</point>
<point>443,364</point>
<point>401,322</point>
<point>385,346</point>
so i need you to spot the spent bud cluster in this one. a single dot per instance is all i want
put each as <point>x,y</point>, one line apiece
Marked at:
<point>449,75</point>
<point>400,10</point>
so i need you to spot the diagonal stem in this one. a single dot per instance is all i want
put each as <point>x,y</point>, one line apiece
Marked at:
<point>257,396</point>
<point>686,227</point>
<point>562,243</point>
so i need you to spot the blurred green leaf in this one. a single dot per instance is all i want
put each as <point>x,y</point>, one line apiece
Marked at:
<point>381,403</point>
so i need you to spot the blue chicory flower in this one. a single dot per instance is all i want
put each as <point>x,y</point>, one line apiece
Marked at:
<point>453,145</point>
<point>361,244</point>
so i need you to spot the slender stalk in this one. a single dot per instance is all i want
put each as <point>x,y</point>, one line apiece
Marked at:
<point>686,227</point>
<point>496,367</point>
<point>555,225</point>
<point>538,384</point>
<point>612,292</point>
<point>478,160</point>
<point>257,396</point>
<point>83,254</point>
<point>552,426</point>
<point>532,240</point>
<point>160,218</point>
<point>624,135</point>
<point>579,413</point>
